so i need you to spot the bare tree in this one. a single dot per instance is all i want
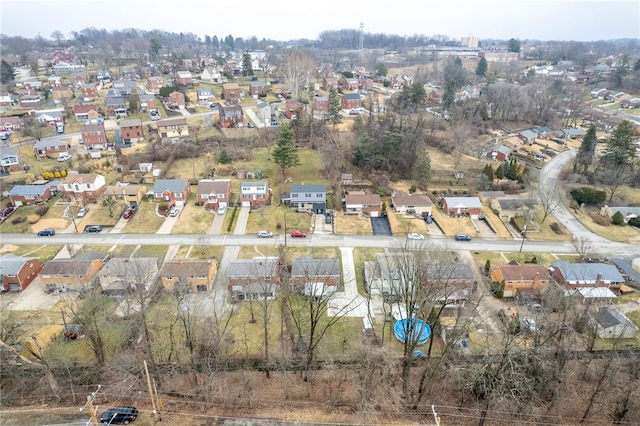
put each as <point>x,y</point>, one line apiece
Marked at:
<point>549,201</point>
<point>582,246</point>
<point>296,69</point>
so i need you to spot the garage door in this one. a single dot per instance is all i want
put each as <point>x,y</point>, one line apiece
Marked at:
<point>14,287</point>
<point>246,204</point>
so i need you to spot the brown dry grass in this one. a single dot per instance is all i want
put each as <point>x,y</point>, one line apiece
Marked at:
<point>453,225</point>
<point>404,224</point>
<point>193,219</point>
<point>352,224</point>
<point>496,223</point>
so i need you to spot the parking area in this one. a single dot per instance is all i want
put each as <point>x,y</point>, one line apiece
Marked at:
<point>380,226</point>
<point>484,230</point>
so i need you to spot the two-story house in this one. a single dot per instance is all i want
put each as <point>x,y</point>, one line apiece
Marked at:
<point>50,148</point>
<point>231,116</point>
<point>61,94</point>
<point>255,194</point>
<point>116,106</point>
<point>9,159</point>
<point>311,198</point>
<point>329,82</point>
<point>11,124</point>
<point>350,84</point>
<point>126,275</point>
<point>132,195</point>
<point>131,130</point>
<point>293,109</point>
<point>517,277</point>
<point>256,278</point>
<point>173,191</point>
<point>89,92</point>
<point>155,83</point>
<point>17,272</point>
<point>176,100</point>
<point>69,273</point>
<point>86,112</point>
<point>231,92</point>
<point>187,275</point>
<point>315,277</point>
<point>84,187</point>
<point>147,102</point>
<point>213,194</point>
<point>205,95</point>
<point>320,104</point>
<point>351,101</point>
<point>173,128</point>
<point>211,74</point>
<point>94,136</point>
<point>184,78</point>
<point>257,88</point>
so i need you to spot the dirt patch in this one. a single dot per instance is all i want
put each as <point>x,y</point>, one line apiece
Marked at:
<point>55,223</point>
<point>8,248</point>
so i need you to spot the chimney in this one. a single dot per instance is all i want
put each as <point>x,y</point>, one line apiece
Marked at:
<point>598,279</point>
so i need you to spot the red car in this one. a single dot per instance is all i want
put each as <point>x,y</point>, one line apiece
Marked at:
<point>128,214</point>
<point>298,234</point>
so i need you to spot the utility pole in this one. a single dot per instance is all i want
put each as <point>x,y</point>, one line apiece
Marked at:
<point>524,236</point>
<point>92,409</point>
<point>156,414</point>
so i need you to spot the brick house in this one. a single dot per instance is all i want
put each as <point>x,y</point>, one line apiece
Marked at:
<point>308,197</point>
<point>173,191</point>
<point>320,104</point>
<point>213,194</point>
<point>329,82</point>
<point>205,95</point>
<point>69,273</point>
<point>11,124</point>
<point>517,277</point>
<point>416,204</point>
<point>132,195</point>
<point>257,88</point>
<point>189,275</point>
<point>231,92</point>
<point>255,194</point>
<point>147,102</point>
<point>50,148</point>
<point>184,78</point>
<point>173,128</point>
<point>459,206</point>
<point>499,153</point>
<point>350,101</point>
<point>84,187</point>
<point>94,136</point>
<point>86,112</point>
<point>350,84</point>
<point>17,272</point>
<point>131,130</point>
<point>30,101</point>
<point>89,92</point>
<point>293,109</point>
<point>256,278</point>
<point>33,193</point>
<point>579,275</point>
<point>211,74</point>
<point>116,106</point>
<point>176,99</point>
<point>155,83</point>
<point>315,277</point>
<point>527,136</point>
<point>5,99</point>
<point>61,94</point>
<point>361,203</point>
<point>124,275</point>
<point>231,116</point>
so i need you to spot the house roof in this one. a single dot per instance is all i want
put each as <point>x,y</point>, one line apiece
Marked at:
<point>10,264</point>
<point>66,267</point>
<point>258,84</point>
<point>608,317</point>
<point>114,101</point>
<point>363,199</point>
<point>515,203</point>
<point>257,267</point>
<point>172,122</point>
<point>132,122</point>
<point>308,188</point>
<point>124,189</point>
<point>352,97</point>
<point>171,185</point>
<point>401,198</point>
<point>205,91</point>
<point>309,267</point>
<point>210,186</point>
<point>230,86</point>
<point>260,184</point>
<point>92,128</point>
<point>587,272</point>
<point>503,149</point>
<point>83,109</point>
<point>29,189</point>
<point>81,178</point>
<point>595,293</point>
<point>182,267</point>
<point>529,134</point>
<point>6,151</point>
<point>48,143</point>
<point>466,202</point>
<point>526,272</point>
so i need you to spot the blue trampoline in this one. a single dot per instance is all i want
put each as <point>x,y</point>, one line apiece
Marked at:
<point>420,328</point>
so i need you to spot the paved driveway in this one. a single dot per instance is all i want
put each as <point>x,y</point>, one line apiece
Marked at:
<point>380,226</point>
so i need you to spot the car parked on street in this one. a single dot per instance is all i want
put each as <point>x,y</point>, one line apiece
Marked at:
<point>119,415</point>
<point>462,237</point>
<point>48,232</point>
<point>415,236</point>
<point>296,233</point>
<point>93,229</point>
<point>265,234</point>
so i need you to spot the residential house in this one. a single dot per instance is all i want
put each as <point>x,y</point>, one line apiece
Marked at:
<point>54,81</point>
<point>458,206</point>
<point>176,100</point>
<point>30,101</point>
<point>346,179</point>
<point>80,77</point>
<point>571,133</point>
<point>125,88</point>
<point>49,117</point>
<point>517,277</point>
<point>17,272</point>
<point>173,128</point>
<point>69,273</point>
<point>34,193</point>
<point>412,204</point>
<point>351,101</point>
<point>84,187</point>
<point>89,92</point>
<point>350,84</point>
<point>147,102</point>
<point>329,82</point>
<point>612,324</point>
<point>61,94</point>
<point>509,208</point>
<point>231,116</point>
<point>592,295</point>
<point>257,88</point>
<point>125,275</point>
<point>9,159</point>
<point>86,112</point>
<point>50,148</point>
<point>116,106</point>
<point>231,92</point>
<point>256,278</point>
<point>132,195</point>
<point>527,136</point>
<point>213,194</point>
<point>211,74</point>
<point>499,153</point>
<point>312,198</point>
<point>131,131</point>
<point>630,103</point>
<point>361,203</point>
<point>577,275</point>
<point>205,95</point>
<point>315,277</point>
<point>255,194</point>
<point>173,191</point>
<point>398,80</point>
<point>5,99</point>
<point>627,213</point>
<point>263,111</point>
<point>185,275</point>
<point>11,124</point>
<point>293,109</point>
<point>543,132</point>
<point>155,83</point>
<point>184,78</point>
<point>320,104</point>
<point>94,136</point>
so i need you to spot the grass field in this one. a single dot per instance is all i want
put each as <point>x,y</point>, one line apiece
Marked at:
<point>272,218</point>
<point>351,224</point>
<point>193,219</point>
<point>146,220</point>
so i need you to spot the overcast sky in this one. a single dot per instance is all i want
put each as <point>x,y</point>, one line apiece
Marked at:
<point>582,20</point>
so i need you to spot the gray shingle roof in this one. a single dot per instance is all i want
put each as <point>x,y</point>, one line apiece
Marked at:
<point>10,264</point>
<point>588,271</point>
<point>171,185</point>
<point>307,266</point>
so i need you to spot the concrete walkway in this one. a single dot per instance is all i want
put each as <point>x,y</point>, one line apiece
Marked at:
<point>348,302</point>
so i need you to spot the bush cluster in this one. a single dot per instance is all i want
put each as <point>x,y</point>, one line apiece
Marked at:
<point>588,195</point>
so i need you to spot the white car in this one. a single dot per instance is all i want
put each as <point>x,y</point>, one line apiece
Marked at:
<point>415,236</point>
<point>222,209</point>
<point>174,212</point>
<point>83,211</point>
<point>64,157</point>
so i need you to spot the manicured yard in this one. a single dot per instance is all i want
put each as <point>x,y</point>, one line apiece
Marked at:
<point>352,224</point>
<point>193,219</point>
<point>271,218</point>
<point>151,251</point>
<point>403,224</point>
<point>360,255</point>
<point>200,252</point>
<point>146,220</point>
<point>453,225</point>
<point>248,252</point>
<point>42,252</point>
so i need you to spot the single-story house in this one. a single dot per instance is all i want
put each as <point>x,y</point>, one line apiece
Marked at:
<point>458,206</point>
<point>612,324</point>
<point>17,272</point>
<point>256,278</point>
<point>513,207</point>
<point>9,159</point>
<point>189,275</point>
<point>50,147</point>
<point>213,193</point>
<point>413,204</point>
<point>33,193</point>
<point>527,136</point>
<point>499,153</point>
<point>173,191</point>
<point>173,128</point>
<point>576,275</point>
<point>361,203</point>
<point>86,112</point>
<point>132,195</point>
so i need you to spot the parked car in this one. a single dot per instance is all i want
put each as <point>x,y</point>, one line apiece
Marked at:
<point>530,324</point>
<point>265,234</point>
<point>119,415</point>
<point>7,211</point>
<point>83,211</point>
<point>415,236</point>
<point>296,233</point>
<point>64,157</point>
<point>48,232</point>
<point>174,212</point>
<point>462,237</point>
<point>93,229</point>
<point>128,213</point>
<point>222,209</point>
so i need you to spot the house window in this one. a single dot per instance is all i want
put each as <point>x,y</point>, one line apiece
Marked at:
<point>294,195</point>
<point>77,187</point>
<point>169,278</point>
<point>319,195</point>
<point>201,288</point>
<point>307,195</point>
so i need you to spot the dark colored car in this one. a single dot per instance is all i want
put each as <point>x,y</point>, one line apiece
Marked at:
<point>298,234</point>
<point>7,211</point>
<point>46,233</point>
<point>119,416</point>
<point>127,214</point>
<point>93,228</point>
<point>463,237</point>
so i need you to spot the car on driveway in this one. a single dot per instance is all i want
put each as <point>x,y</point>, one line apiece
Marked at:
<point>93,229</point>
<point>462,237</point>
<point>174,212</point>
<point>222,209</point>
<point>46,233</point>
<point>415,236</point>
<point>83,211</point>
<point>265,234</point>
<point>296,233</point>
<point>128,213</point>
<point>119,415</point>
